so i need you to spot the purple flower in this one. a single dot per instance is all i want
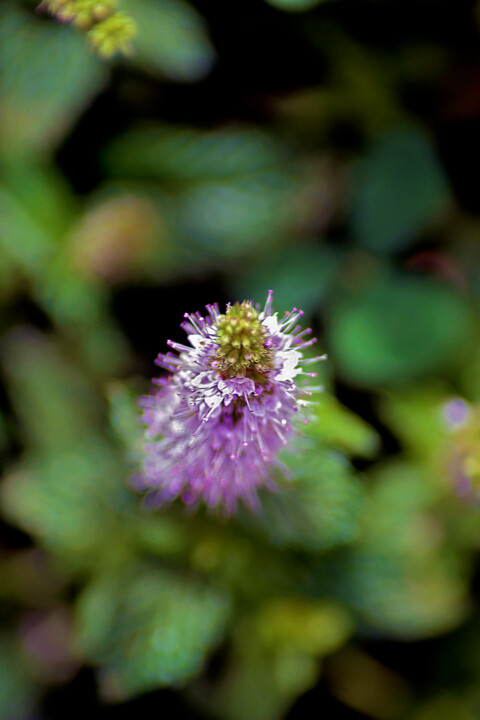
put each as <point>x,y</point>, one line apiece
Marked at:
<point>227,407</point>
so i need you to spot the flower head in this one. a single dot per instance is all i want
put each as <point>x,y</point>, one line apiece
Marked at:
<point>227,407</point>
<point>463,422</point>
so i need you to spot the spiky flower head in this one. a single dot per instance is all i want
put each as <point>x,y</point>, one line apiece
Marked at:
<point>227,407</point>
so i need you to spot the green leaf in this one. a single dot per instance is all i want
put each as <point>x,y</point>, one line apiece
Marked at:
<point>149,628</point>
<point>17,688</point>
<point>306,625</point>
<point>227,218</point>
<point>187,154</point>
<point>23,240</point>
<point>70,490</point>
<point>172,39</point>
<point>42,193</point>
<point>337,426</point>
<point>299,276</point>
<point>395,328</point>
<point>282,676</point>
<point>229,190</point>
<point>78,304</point>
<point>47,77</point>
<point>320,508</point>
<point>417,419</point>
<point>401,577</point>
<point>72,501</point>
<point>53,399</point>
<point>125,418</point>
<point>29,233</point>
<point>399,191</point>
<point>277,649</point>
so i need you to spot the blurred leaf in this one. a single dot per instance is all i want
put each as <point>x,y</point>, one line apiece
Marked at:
<point>149,627</point>
<point>445,707</point>
<point>78,304</point>
<point>261,684</point>
<point>171,39</point>
<point>275,657</point>
<point>230,557</point>
<point>57,407</point>
<point>299,276</point>
<point>188,154</point>
<point>311,626</point>
<point>401,577</point>
<point>3,433</point>
<point>418,420</point>
<point>360,92</point>
<point>229,190</point>
<point>30,578</point>
<point>10,278</point>
<point>125,418</point>
<point>337,426</point>
<point>17,690</point>
<point>295,5</point>
<point>72,501</point>
<point>237,215</point>
<point>366,685</point>
<point>46,79</point>
<point>24,241</point>
<point>42,192</point>
<point>75,302</point>
<point>160,535</point>
<point>364,88</point>
<point>319,509</point>
<point>70,490</point>
<point>399,190</point>
<point>395,328</point>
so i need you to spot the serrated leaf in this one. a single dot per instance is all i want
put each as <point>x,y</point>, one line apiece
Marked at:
<point>319,509</point>
<point>158,630</point>
<point>72,501</point>
<point>188,154</point>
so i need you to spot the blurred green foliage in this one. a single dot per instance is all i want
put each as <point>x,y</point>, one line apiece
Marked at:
<point>374,536</point>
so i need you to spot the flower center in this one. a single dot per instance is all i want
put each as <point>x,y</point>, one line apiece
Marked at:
<point>242,344</point>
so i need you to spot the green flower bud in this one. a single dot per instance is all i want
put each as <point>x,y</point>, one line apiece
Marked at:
<point>241,338</point>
